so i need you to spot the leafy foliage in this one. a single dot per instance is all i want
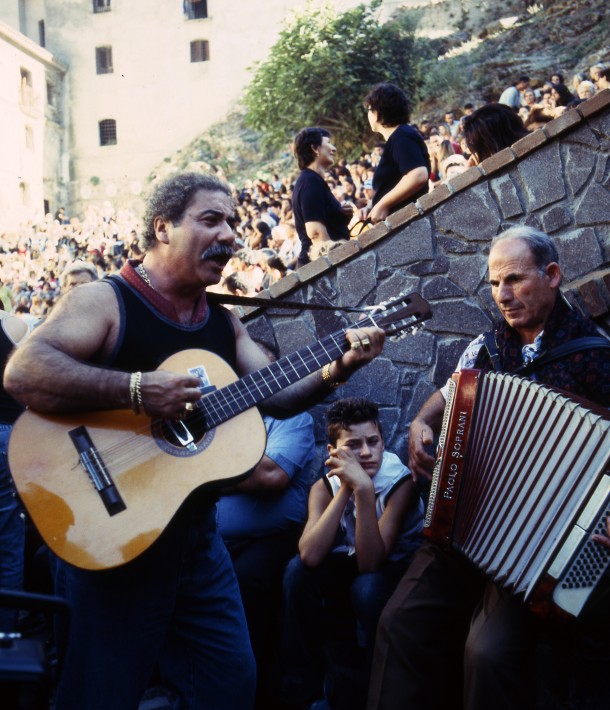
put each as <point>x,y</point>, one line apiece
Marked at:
<point>320,69</point>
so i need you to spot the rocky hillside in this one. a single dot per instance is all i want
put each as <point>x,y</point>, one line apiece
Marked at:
<point>555,35</point>
<point>469,65</point>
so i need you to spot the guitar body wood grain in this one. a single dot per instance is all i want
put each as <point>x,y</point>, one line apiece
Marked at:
<point>153,481</point>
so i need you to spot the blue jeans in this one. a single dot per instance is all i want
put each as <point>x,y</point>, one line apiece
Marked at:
<point>12,533</point>
<point>312,598</point>
<point>176,606</point>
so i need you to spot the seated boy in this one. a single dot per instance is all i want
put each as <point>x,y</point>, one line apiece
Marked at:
<point>364,523</point>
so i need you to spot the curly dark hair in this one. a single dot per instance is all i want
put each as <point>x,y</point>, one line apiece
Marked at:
<point>305,141</point>
<point>491,128</point>
<point>171,198</point>
<point>390,103</point>
<point>344,413</point>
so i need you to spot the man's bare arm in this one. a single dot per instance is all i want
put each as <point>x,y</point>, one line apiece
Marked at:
<point>55,369</point>
<point>312,388</point>
<point>421,434</point>
<point>266,477</point>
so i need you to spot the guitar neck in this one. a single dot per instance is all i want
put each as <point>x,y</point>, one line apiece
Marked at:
<point>223,404</point>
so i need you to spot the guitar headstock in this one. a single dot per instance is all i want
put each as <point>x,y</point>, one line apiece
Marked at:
<point>402,315</point>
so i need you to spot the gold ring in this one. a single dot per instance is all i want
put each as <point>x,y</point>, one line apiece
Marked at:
<point>189,407</point>
<point>365,343</point>
<point>356,346</point>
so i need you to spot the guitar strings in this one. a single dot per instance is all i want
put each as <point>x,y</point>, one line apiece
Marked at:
<point>222,404</point>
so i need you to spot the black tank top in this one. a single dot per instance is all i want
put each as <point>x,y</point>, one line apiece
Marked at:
<point>147,337</point>
<point>10,409</point>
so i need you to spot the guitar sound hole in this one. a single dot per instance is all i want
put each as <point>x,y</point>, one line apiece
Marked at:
<point>182,438</point>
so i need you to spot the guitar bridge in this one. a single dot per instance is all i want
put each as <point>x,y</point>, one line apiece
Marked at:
<point>97,471</point>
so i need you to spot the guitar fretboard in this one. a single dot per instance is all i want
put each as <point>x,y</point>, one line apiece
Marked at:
<point>250,390</point>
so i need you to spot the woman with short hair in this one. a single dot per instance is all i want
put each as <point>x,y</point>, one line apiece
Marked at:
<point>402,174</point>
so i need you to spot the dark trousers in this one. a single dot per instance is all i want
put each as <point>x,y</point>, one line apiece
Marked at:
<point>449,639</point>
<point>176,606</point>
<point>316,600</point>
<point>259,566</point>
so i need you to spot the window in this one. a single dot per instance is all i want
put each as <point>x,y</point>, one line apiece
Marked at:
<point>103,60</point>
<point>50,94</point>
<point>24,191</point>
<point>101,6</point>
<point>200,50</point>
<point>108,132</point>
<point>195,9</point>
<point>41,34</point>
<point>27,90</point>
<point>29,137</point>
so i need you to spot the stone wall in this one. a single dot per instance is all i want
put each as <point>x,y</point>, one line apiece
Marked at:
<point>556,179</point>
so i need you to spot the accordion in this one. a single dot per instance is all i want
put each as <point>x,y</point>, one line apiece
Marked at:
<point>521,482</point>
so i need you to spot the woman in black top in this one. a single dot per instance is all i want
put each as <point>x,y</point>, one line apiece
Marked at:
<point>402,173</point>
<point>318,215</point>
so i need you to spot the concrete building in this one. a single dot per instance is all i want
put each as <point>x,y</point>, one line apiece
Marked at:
<point>144,78</point>
<point>34,167</point>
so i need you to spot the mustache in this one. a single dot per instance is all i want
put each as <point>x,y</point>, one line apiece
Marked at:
<point>220,252</point>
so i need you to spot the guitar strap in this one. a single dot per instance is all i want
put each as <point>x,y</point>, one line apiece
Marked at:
<point>214,297</point>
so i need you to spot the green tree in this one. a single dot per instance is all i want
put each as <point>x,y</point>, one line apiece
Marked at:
<point>320,69</point>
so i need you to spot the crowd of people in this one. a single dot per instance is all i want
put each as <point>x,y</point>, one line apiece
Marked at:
<point>273,235</point>
<point>238,599</point>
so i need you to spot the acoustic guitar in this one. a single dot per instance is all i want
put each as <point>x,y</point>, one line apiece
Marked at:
<point>102,486</point>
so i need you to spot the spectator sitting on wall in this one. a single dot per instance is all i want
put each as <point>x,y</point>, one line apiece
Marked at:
<point>491,128</point>
<point>364,523</point>
<point>403,171</point>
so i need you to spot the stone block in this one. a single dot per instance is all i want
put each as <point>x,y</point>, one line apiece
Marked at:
<point>542,175</point>
<point>556,218</point>
<point>343,252</point>
<point>284,285</point>
<point>579,252</point>
<point>420,393</point>
<point>584,136</point>
<point>262,331</point>
<point>440,265</point>
<point>468,271</point>
<point>415,349</point>
<point>432,199</point>
<point>356,279</point>
<point>498,161</point>
<point>379,381</point>
<point>472,214</point>
<point>593,298</point>
<point>594,105</point>
<point>508,198</point>
<point>448,352</point>
<point>395,284</point>
<point>389,419</point>
<point>402,217</point>
<point>413,243</point>
<point>564,123</point>
<point>600,169</point>
<point>441,287</point>
<point>293,334</point>
<point>373,235</point>
<point>530,143</point>
<point>455,246</point>
<point>580,162</point>
<point>466,179</point>
<point>459,318</point>
<point>312,270</point>
<point>594,207</point>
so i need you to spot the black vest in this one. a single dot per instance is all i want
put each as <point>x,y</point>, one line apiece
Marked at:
<point>10,409</point>
<point>147,337</point>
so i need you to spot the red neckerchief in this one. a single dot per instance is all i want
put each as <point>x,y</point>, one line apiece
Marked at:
<point>133,278</point>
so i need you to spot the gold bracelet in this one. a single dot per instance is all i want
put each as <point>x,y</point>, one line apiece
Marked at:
<point>328,380</point>
<point>135,391</point>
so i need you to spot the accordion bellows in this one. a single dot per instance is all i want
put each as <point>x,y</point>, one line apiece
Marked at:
<point>521,483</point>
